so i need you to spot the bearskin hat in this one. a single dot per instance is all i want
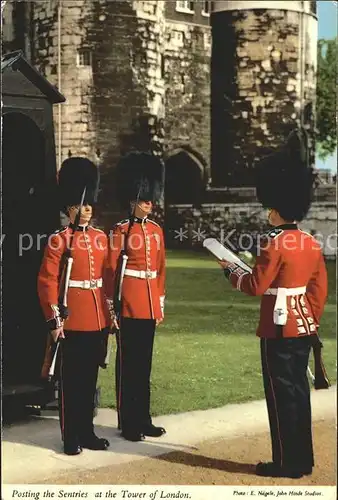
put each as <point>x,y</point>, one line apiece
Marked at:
<point>284,180</point>
<point>76,174</point>
<point>138,175</point>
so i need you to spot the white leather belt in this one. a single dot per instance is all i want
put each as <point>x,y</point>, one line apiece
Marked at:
<point>289,291</point>
<point>280,311</point>
<point>86,284</point>
<point>141,274</point>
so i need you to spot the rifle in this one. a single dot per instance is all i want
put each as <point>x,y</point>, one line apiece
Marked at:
<point>106,349</point>
<point>320,379</point>
<point>122,263</point>
<point>52,349</point>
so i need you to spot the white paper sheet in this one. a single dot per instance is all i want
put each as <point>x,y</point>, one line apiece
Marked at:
<point>224,253</point>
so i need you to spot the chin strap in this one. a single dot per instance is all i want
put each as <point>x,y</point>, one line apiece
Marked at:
<point>137,204</point>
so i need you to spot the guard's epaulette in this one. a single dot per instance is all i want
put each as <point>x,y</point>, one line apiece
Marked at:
<point>124,221</point>
<point>274,233</point>
<point>150,220</point>
<point>121,223</point>
<point>97,229</point>
<point>58,231</point>
<point>307,234</point>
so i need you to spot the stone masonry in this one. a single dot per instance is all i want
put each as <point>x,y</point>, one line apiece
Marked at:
<point>239,225</point>
<point>135,75</point>
<point>124,67</point>
<point>263,82</point>
<point>145,74</point>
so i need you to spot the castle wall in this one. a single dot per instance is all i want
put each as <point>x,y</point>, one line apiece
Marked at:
<point>136,74</point>
<point>106,58</point>
<point>263,82</point>
<point>16,27</point>
<point>187,82</point>
<point>147,75</point>
<point>239,225</point>
<point>58,38</point>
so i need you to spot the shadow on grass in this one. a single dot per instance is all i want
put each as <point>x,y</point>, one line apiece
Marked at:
<point>193,460</point>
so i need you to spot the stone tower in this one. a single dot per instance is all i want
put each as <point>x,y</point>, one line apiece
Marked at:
<point>106,58</point>
<point>135,74</point>
<point>263,75</point>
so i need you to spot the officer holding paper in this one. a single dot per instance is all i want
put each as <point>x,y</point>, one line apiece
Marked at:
<point>290,275</point>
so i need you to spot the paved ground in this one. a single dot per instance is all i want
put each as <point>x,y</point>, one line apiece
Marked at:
<point>32,451</point>
<point>215,462</point>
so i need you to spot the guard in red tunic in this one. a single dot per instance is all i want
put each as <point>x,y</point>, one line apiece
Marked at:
<point>137,263</point>
<point>290,275</point>
<point>83,332</point>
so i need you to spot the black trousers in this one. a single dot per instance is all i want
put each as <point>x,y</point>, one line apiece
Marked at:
<point>80,355</point>
<point>287,392</point>
<point>135,341</point>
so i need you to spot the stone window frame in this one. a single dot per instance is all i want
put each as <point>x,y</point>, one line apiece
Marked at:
<point>7,22</point>
<point>186,9</point>
<point>207,40</point>
<point>206,13</point>
<point>177,38</point>
<point>81,55</point>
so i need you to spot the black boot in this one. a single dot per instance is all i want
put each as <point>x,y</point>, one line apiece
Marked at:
<point>95,443</point>
<point>271,469</point>
<point>132,435</point>
<point>153,431</point>
<point>72,449</point>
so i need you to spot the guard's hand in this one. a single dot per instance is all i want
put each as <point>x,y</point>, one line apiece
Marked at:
<point>57,333</point>
<point>224,263</point>
<point>115,324</point>
<point>158,321</point>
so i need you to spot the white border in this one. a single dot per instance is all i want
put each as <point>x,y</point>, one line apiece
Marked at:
<point>157,492</point>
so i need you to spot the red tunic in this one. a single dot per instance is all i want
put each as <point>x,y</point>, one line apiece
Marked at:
<point>287,258</point>
<point>88,310</point>
<point>142,298</point>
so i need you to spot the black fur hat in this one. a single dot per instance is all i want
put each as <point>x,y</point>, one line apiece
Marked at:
<point>76,174</point>
<point>139,175</point>
<point>284,180</point>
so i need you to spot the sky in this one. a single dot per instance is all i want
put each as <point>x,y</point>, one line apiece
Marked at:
<point>327,12</point>
<point>327,19</point>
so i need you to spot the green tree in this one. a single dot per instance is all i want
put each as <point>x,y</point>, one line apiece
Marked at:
<point>326,98</point>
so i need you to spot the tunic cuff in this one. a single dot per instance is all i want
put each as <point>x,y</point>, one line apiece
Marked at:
<point>230,269</point>
<point>56,321</point>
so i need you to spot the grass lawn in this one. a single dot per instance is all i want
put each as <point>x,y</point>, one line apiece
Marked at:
<point>206,353</point>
